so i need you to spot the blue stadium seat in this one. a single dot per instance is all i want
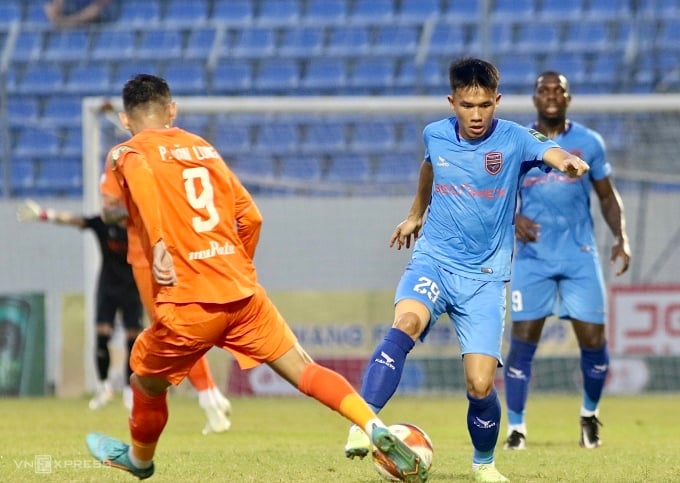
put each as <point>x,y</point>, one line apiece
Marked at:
<point>72,145</point>
<point>418,10</point>
<point>114,44</point>
<point>325,74</point>
<point>349,168</point>
<point>537,38</point>
<point>574,66</point>
<point>32,142</point>
<point>28,46</point>
<point>160,44</point>
<point>277,75</point>
<point>373,136</point>
<point>186,78</point>
<point>22,177</point>
<point>278,12</point>
<point>22,110</point>
<point>183,13</point>
<point>67,45</point>
<point>605,70</point>
<point>92,78</point>
<point>141,12</point>
<point>61,110</point>
<point>277,137</point>
<point>35,15</point>
<point>348,40</point>
<point>501,33</point>
<point>301,42</point>
<point>518,73</point>
<point>586,36</point>
<point>447,39</point>
<point>395,40</point>
<point>431,76</point>
<point>561,10</point>
<point>372,11</point>
<point>232,137</point>
<point>372,75</point>
<point>668,36</point>
<point>397,167</point>
<point>254,168</point>
<point>200,43</point>
<point>462,10</point>
<point>233,12</point>
<point>128,69</point>
<point>253,42</point>
<point>512,10</point>
<point>326,12</point>
<point>196,123</point>
<point>60,177</point>
<point>609,10</point>
<point>324,136</point>
<point>42,79</point>
<point>232,76</point>
<point>10,12</point>
<point>301,168</point>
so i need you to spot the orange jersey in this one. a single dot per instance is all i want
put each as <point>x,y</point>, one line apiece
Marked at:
<point>181,191</point>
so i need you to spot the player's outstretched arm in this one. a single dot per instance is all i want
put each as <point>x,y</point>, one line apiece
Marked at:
<point>30,210</point>
<point>567,163</point>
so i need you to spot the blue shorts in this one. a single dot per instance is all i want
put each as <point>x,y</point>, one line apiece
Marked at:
<point>570,289</point>
<point>476,308</point>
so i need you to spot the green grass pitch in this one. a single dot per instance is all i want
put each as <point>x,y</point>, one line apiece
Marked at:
<point>298,440</point>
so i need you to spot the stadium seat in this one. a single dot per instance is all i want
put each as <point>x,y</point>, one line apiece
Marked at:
<point>41,79</point>
<point>232,76</point>
<point>462,10</point>
<point>196,123</point>
<point>10,12</point>
<point>277,75</point>
<point>22,110</point>
<point>372,75</point>
<point>114,44</point>
<point>397,167</point>
<point>668,36</point>
<point>61,110</point>
<point>429,77</point>
<point>324,74</point>
<point>277,137</point>
<point>586,37</point>
<point>348,41</point>
<point>252,42</point>
<point>447,39</point>
<point>28,46</point>
<point>574,66</point>
<point>605,70</point>
<point>372,11</point>
<point>324,136</point>
<point>501,34</point>
<point>301,168</point>
<point>349,168</point>
<point>60,177</point>
<point>232,137</point>
<point>393,40</point>
<point>325,12</point>
<point>182,13</point>
<point>278,12</point>
<point>200,43</point>
<point>254,168</point>
<point>608,10</point>
<point>561,10</point>
<point>35,142</point>
<point>233,12</point>
<point>159,44</point>
<point>92,78</point>
<point>126,70</point>
<point>67,45</point>
<point>537,38</point>
<point>186,78</point>
<point>140,12</point>
<point>512,10</point>
<point>35,15</point>
<point>518,73</point>
<point>373,137</point>
<point>418,10</point>
<point>22,177</point>
<point>72,145</point>
<point>301,42</point>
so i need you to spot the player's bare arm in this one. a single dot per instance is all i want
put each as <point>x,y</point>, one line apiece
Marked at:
<point>30,210</point>
<point>526,230</point>
<point>565,162</point>
<point>407,231</point>
<point>611,206</point>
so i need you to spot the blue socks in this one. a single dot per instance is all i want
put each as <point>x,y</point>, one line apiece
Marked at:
<point>517,374</point>
<point>594,366</point>
<point>384,369</point>
<point>484,420</point>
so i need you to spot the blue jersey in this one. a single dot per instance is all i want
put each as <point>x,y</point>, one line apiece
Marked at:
<point>561,205</point>
<point>469,229</point>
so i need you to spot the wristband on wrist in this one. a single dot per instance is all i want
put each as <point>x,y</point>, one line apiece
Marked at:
<point>47,215</point>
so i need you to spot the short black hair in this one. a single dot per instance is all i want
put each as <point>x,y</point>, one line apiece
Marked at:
<point>472,72</point>
<point>554,73</point>
<point>144,89</point>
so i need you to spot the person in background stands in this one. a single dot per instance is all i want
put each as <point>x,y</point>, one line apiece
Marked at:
<point>77,13</point>
<point>557,268</point>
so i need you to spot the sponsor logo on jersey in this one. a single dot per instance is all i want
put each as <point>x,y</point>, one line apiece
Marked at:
<point>441,161</point>
<point>215,250</point>
<point>540,136</point>
<point>493,162</point>
<point>117,152</point>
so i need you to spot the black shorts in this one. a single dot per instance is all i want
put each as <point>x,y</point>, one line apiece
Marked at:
<point>127,301</point>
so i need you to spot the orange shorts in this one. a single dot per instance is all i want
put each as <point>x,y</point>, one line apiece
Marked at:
<point>251,329</point>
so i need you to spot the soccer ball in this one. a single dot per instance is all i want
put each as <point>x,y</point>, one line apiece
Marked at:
<point>415,438</point>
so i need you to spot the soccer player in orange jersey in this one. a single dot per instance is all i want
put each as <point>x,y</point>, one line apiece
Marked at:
<point>201,227</point>
<point>215,405</point>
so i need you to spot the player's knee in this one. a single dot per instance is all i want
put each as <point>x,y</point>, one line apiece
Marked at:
<point>409,323</point>
<point>479,387</point>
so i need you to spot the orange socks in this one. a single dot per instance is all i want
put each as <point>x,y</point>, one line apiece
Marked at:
<point>333,390</point>
<point>200,376</point>
<point>147,420</point>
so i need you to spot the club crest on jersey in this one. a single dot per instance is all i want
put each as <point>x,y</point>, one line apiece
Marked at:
<point>540,136</point>
<point>117,152</point>
<point>493,162</point>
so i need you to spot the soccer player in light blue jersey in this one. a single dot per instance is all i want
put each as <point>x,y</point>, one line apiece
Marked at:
<point>557,261</point>
<point>465,206</point>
